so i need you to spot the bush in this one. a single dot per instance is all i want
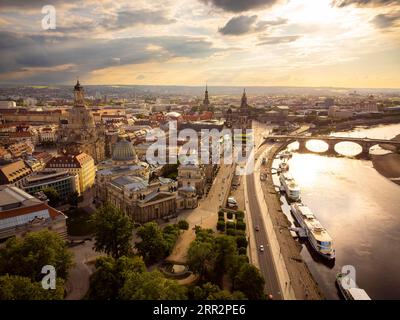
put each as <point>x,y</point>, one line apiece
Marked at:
<point>183,225</point>
<point>221,225</point>
<point>230,232</point>
<point>229,215</point>
<point>230,225</point>
<point>240,225</point>
<point>241,242</point>
<point>239,214</point>
<point>242,251</point>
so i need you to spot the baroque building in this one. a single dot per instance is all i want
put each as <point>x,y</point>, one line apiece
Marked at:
<point>240,119</point>
<point>125,182</point>
<point>80,133</point>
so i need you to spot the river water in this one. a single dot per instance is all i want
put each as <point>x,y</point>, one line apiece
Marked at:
<point>359,208</point>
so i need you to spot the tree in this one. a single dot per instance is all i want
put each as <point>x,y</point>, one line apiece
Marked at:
<point>240,225</point>
<point>229,215</point>
<point>201,258</point>
<point>22,288</point>
<point>170,235</point>
<point>26,257</point>
<point>153,246</point>
<point>249,281</point>
<point>112,231</point>
<point>226,250</point>
<point>151,286</point>
<point>221,225</point>
<point>183,225</point>
<point>110,276</point>
<point>73,199</point>
<point>230,225</point>
<point>52,195</point>
<point>241,242</point>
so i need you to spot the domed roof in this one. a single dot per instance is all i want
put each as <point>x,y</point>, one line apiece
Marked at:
<point>187,188</point>
<point>124,151</point>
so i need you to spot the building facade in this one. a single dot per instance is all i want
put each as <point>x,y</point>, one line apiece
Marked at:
<point>80,164</point>
<point>21,213</point>
<point>63,182</point>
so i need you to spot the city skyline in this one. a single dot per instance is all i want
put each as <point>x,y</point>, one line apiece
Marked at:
<point>324,43</point>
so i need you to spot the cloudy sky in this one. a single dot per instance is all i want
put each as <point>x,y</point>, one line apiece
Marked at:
<point>343,43</point>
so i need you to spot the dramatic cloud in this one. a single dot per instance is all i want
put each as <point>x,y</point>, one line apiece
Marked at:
<point>266,40</point>
<point>86,55</point>
<point>240,5</point>
<point>32,4</point>
<point>125,19</point>
<point>361,3</point>
<point>384,21</point>
<point>239,25</point>
<point>248,24</point>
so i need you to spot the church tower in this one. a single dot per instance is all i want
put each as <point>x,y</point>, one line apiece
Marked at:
<point>80,133</point>
<point>243,103</point>
<point>206,102</point>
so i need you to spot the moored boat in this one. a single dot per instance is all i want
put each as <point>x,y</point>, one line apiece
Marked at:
<point>317,235</point>
<point>349,289</point>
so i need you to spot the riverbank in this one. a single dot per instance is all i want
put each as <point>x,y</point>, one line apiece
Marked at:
<point>301,279</point>
<point>388,165</point>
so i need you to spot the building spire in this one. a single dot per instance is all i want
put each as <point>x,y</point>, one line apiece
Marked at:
<point>206,101</point>
<point>243,103</point>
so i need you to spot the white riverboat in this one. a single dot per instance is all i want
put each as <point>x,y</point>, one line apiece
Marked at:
<point>349,289</point>
<point>317,235</point>
<point>290,186</point>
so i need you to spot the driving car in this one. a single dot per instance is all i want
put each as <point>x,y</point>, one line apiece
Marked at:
<point>261,248</point>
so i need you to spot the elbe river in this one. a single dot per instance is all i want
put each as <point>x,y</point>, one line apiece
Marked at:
<point>360,210</point>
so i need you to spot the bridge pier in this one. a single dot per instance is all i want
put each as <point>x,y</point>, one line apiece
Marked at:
<point>302,146</point>
<point>331,147</point>
<point>364,150</point>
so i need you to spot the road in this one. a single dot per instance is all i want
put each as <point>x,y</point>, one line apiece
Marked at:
<point>265,259</point>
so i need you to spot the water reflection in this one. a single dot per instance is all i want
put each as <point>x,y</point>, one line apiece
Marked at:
<point>359,208</point>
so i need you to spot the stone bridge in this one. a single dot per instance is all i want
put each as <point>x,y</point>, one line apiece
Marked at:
<point>331,141</point>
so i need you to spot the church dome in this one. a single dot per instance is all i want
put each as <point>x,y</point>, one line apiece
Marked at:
<point>124,151</point>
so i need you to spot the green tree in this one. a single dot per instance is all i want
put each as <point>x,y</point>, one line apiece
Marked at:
<point>52,195</point>
<point>73,199</point>
<point>110,276</point>
<point>152,246</point>
<point>250,281</point>
<point>201,258</point>
<point>241,242</point>
<point>151,286</point>
<point>22,288</point>
<point>221,225</point>
<point>226,249</point>
<point>170,235</point>
<point>112,231</point>
<point>183,225</point>
<point>26,257</point>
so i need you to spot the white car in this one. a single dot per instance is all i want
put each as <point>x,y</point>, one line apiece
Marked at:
<point>261,248</point>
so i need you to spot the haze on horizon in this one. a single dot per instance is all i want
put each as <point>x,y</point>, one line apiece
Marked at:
<point>309,43</point>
